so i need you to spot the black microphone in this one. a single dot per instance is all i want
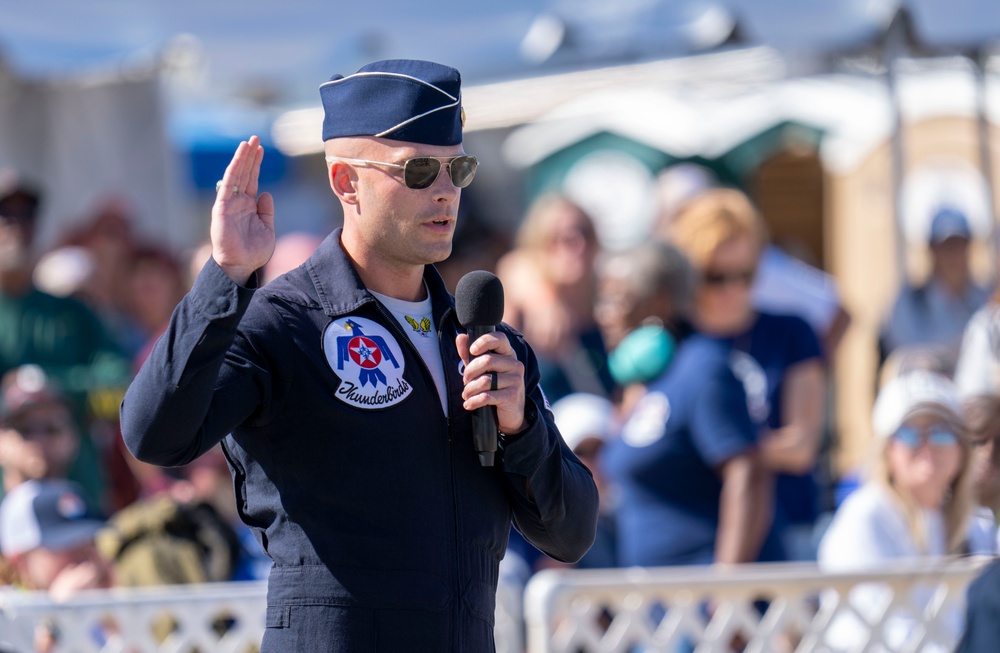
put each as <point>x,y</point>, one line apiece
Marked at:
<point>479,304</point>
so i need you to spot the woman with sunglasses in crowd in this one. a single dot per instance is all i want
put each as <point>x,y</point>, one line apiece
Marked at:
<point>690,486</point>
<point>917,503</point>
<point>778,357</point>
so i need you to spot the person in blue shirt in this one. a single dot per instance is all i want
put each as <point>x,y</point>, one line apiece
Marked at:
<point>693,489</point>
<point>778,358</point>
<point>934,313</point>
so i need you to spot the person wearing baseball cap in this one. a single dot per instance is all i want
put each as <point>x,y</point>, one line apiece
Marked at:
<point>48,535</point>
<point>38,436</point>
<point>935,312</point>
<point>917,503</point>
<point>347,384</point>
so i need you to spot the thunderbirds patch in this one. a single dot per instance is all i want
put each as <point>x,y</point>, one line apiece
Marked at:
<point>368,361</point>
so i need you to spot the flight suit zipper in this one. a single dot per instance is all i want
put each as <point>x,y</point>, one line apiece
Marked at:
<point>395,326</point>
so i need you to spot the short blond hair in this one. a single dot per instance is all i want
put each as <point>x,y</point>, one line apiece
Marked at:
<point>712,219</point>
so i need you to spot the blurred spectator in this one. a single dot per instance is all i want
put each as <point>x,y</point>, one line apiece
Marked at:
<point>65,272</point>
<point>161,541</point>
<point>108,236</point>
<point>549,287</point>
<point>586,423</point>
<point>207,482</point>
<point>155,285</point>
<point>784,284</point>
<point>917,503</point>
<point>290,251</point>
<point>982,616</point>
<point>693,489</point>
<point>936,311</point>
<point>38,438</point>
<point>982,418</point>
<point>777,357</point>
<point>978,368</point>
<point>59,334</point>
<point>48,535</point>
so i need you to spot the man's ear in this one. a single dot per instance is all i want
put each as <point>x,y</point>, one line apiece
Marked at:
<point>343,182</point>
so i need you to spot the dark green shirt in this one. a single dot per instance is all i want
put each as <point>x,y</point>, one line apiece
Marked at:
<point>67,340</point>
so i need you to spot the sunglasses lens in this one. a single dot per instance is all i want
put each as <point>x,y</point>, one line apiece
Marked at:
<point>463,169</point>
<point>421,172</point>
<point>908,436</point>
<point>943,438</point>
<point>912,438</point>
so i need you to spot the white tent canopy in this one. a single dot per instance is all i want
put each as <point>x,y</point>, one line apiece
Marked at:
<point>93,90</point>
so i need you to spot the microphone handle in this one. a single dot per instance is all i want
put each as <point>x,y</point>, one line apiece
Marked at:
<point>484,420</point>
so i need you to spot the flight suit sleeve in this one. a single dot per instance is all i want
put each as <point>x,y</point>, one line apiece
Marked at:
<point>552,493</point>
<point>201,380</point>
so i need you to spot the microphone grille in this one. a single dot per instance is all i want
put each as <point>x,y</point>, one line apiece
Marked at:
<point>479,299</point>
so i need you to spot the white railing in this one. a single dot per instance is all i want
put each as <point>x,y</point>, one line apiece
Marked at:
<point>752,608</point>
<point>210,618</point>
<point>176,618</point>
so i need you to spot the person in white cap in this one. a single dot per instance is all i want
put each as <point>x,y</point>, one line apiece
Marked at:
<point>916,505</point>
<point>586,422</point>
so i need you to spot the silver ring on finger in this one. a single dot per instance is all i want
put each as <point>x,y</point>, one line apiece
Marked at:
<point>218,185</point>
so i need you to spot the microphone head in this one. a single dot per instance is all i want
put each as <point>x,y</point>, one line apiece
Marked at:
<point>479,299</point>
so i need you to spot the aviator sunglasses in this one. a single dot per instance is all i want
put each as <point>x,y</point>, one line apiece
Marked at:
<point>420,172</point>
<point>912,437</point>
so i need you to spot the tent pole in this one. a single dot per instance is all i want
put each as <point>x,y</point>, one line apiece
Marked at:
<point>980,59</point>
<point>894,46</point>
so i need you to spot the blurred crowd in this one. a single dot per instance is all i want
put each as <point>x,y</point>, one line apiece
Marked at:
<point>690,373</point>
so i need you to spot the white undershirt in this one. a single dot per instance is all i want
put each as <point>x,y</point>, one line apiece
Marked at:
<point>417,321</point>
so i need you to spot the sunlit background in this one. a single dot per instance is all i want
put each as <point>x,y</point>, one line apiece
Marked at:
<point>846,120</point>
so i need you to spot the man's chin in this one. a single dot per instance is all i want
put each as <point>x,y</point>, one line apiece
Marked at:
<point>438,254</point>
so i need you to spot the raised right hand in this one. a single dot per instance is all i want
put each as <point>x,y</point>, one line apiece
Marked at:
<point>242,229</point>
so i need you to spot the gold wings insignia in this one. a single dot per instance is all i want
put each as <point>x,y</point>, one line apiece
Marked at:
<point>412,323</point>
<point>425,325</point>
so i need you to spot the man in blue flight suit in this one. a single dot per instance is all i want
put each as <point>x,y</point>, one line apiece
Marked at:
<point>348,432</point>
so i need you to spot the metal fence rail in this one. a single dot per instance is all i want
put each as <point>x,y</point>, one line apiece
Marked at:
<point>752,608</point>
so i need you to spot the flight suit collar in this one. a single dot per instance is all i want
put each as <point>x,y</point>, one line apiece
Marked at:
<point>341,291</point>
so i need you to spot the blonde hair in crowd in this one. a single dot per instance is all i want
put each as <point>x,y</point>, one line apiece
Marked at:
<point>711,219</point>
<point>536,229</point>
<point>958,502</point>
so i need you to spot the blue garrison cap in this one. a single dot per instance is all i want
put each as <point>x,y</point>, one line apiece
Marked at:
<point>401,99</point>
